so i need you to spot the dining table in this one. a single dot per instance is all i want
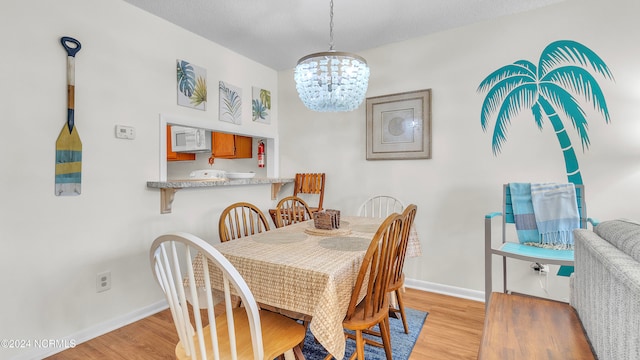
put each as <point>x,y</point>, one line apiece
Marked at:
<point>300,269</point>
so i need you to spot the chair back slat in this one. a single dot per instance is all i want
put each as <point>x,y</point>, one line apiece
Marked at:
<point>408,216</point>
<point>241,219</point>
<point>508,217</point>
<point>380,206</point>
<point>310,184</point>
<point>291,210</point>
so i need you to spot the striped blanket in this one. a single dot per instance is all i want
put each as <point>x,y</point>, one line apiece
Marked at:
<point>545,214</point>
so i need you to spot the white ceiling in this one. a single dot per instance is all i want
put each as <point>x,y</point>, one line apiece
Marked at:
<point>277,33</point>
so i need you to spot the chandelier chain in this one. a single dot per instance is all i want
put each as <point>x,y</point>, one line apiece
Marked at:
<point>331,25</point>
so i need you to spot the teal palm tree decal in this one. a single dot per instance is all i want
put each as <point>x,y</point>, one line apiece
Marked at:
<point>549,91</point>
<point>186,78</point>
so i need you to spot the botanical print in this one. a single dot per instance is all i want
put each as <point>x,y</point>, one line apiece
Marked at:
<point>549,91</point>
<point>230,103</point>
<point>192,85</point>
<point>261,105</point>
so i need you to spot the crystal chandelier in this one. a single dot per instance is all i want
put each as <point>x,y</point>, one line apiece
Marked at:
<point>332,80</point>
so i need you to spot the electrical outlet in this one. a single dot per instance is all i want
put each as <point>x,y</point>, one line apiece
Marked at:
<point>103,281</point>
<point>541,268</point>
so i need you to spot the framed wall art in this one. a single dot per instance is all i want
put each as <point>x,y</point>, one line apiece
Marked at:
<point>260,105</point>
<point>399,126</point>
<point>230,108</point>
<point>192,85</point>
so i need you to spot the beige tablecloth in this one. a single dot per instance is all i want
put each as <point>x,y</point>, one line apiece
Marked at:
<point>295,269</point>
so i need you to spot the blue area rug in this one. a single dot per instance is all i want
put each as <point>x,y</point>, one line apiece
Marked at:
<point>401,343</point>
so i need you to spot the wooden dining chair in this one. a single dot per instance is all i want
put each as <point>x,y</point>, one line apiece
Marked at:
<point>291,210</point>
<point>397,280</point>
<point>235,333</point>
<point>310,184</point>
<point>373,281</point>
<point>309,187</point>
<point>380,206</point>
<point>241,219</point>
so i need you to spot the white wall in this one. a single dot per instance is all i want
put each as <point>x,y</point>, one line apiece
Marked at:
<point>462,182</point>
<point>53,247</point>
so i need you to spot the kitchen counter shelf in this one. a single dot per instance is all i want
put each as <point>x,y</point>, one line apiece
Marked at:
<point>168,188</point>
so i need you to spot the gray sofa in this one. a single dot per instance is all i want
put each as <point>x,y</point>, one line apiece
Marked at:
<point>605,287</point>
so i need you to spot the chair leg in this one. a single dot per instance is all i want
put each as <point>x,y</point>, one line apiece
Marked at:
<point>305,323</point>
<point>297,352</point>
<point>359,345</point>
<point>385,330</point>
<point>504,275</point>
<point>488,276</point>
<point>402,314</point>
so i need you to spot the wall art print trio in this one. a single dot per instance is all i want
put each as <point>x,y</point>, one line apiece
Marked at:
<point>192,92</point>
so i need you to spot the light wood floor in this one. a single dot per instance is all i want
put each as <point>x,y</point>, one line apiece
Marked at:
<point>453,330</point>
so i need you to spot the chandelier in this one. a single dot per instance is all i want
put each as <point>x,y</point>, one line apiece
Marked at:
<point>332,80</point>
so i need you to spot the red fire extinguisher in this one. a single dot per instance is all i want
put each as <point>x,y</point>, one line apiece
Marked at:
<point>260,154</point>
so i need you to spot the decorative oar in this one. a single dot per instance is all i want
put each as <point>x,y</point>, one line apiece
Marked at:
<point>68,145</point>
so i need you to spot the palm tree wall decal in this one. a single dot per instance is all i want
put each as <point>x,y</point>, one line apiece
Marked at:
<point>548,91</point>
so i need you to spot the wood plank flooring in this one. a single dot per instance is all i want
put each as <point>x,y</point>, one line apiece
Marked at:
<point>453,330</point>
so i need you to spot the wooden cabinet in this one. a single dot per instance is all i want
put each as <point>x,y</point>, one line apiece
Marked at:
<point>174,156</point>
<point>230,146</point>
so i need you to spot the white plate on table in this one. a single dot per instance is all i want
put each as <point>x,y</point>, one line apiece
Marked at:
<point>240,175</point>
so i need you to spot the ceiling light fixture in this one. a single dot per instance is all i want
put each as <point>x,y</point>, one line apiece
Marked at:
<point>332,80</point>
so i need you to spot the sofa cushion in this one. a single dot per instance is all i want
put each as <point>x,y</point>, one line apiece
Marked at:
<point>623,234</point>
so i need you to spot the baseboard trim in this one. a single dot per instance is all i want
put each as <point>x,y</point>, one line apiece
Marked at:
<point>97,330</point>
<point>116,323</point>
<point>445,289</point>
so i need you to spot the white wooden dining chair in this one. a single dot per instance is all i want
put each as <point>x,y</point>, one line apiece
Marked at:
<point>380,206</point>
<point>217,332</point>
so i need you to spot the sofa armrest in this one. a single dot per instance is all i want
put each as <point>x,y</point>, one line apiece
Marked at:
<point>606,294</point>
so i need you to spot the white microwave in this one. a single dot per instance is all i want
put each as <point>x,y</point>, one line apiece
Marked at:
<point>188,139</point>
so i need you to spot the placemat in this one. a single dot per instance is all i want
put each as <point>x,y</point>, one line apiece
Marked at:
<point>279,237</point>
<point>345,243</point>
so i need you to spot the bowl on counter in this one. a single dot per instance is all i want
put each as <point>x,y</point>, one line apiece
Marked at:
<point>240,175</point>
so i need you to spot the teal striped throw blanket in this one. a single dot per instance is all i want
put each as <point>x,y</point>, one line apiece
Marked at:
<point>556,210</point>
<point>523,214</point>
<point>545,214</point>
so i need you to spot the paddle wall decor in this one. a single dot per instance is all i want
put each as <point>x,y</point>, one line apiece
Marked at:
<point>192,85</point>
<point>549,90</point>
<point>68,179</point>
